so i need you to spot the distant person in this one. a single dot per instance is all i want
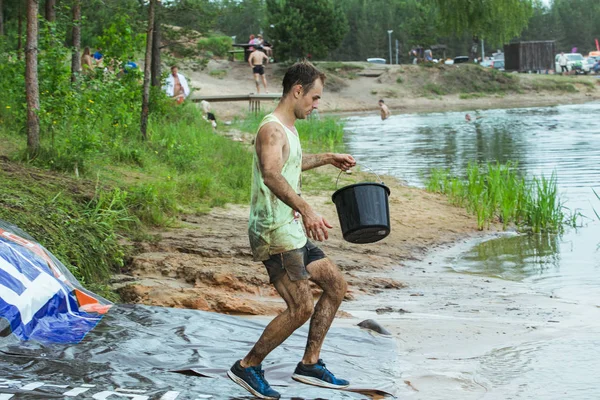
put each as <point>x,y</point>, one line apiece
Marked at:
<point>385,111</point>
<point>130,65</point>
<point>428,56</point>
<point>563,61</point>
<point>266,47</point>
<point>176,86</point>
<point>87,65</point>
<point>98,57</point>
<point>208,116</point>
<point>596,67</point>
<point>253,42</point>
<point>468,117</point>
<point>257,61</point>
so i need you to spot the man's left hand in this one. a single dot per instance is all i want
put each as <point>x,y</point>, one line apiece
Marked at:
<point>343,161</point>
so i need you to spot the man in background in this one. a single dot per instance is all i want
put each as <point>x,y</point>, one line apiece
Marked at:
<point>257,61</point>
<point>176,86</point>
<point>562,61</point>
<point>385,111</point>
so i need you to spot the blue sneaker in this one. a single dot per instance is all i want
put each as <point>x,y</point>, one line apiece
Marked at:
<point>318,375</point>
<point>253,380</point>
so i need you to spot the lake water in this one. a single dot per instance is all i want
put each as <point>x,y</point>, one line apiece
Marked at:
<point>564,140</point>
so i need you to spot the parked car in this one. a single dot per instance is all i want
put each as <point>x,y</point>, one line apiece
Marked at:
<point>486,63</point>
<point>498,64</point>
<point>376,60</point>
<point>461,59</point>
<point>575,63</point>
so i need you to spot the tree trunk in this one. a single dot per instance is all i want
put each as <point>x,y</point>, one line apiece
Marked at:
<point>147,65</point>
<point>156,59</point>
<point>19,28</point>
<point>51,10</point>
<point>31,79</point>
<point>1,18</point>
<point>75,61</point>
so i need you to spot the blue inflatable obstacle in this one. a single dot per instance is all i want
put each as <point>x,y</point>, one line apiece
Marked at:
<point>39,298</point>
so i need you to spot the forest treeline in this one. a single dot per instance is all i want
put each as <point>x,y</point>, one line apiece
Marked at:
<point>339,29</point>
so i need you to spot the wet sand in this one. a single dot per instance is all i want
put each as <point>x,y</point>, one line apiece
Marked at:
<point>453,329</point>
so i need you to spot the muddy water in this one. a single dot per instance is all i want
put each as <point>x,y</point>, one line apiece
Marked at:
<point>564,140</point>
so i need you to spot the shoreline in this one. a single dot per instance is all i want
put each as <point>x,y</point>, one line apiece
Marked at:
<point>360,94</point>
<point>452,328</point>
<point>359,112</point>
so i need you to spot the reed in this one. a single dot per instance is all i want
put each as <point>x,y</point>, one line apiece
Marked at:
<point>496,193</point>
<point>598,197</point>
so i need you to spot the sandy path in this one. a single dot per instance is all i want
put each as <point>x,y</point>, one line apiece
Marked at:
<point>206,262</point>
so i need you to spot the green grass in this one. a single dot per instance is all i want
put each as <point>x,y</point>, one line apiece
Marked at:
<point>467,79</point>
<point>496,192</point>
<point>336,66</point>
<point>183,167</point>
<point>218,73</point>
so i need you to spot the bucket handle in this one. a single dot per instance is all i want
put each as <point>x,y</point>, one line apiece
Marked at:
<point>363,165</point>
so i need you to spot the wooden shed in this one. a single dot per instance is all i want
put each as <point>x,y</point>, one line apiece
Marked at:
<point>529,56</point>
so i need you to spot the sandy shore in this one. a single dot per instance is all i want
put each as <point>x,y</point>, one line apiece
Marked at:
<point>361,93</point>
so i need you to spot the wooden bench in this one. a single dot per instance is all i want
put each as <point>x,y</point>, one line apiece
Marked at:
<point>232,53</point>
<point>253,99</point>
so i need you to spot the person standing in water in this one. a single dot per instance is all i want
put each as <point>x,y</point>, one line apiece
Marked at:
<point>385,111</point>
<point>280,226</point>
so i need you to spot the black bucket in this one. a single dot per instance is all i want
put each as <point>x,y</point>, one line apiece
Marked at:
<point>364,211</point>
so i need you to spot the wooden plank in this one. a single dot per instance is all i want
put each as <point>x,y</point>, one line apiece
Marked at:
<point>237,97</point>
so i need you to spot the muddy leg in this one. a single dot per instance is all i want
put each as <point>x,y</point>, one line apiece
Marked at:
<point>256,82</point>
<point>325,274</point>
<point>298,298</point>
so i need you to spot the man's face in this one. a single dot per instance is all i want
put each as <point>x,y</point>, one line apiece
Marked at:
<point>307,102</point>
<point>174,71</point>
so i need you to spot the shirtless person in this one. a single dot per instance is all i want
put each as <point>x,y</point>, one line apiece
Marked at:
<point>257,61</point>
<point>280,226</point>
<point>385,111</point>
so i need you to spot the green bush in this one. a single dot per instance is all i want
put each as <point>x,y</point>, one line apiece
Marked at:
<point>217,45</point>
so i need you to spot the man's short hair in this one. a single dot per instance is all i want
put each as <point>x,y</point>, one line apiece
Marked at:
<point>381,101</point>
<point>173,67</point>
<point>301,73</point>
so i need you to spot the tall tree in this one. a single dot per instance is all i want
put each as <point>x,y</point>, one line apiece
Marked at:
<point>1,18</point>
<point>76,37</point>
<point>156,40</point>
<point>301,28</point>
<point>32,90</point>
<point>51,10</point>
<point>495,20</point>
<point>147,71</point>
<point>19,28</point>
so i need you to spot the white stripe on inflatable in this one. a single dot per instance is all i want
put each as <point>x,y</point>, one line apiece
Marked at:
<point>36,293</point>
<point>17,250</point>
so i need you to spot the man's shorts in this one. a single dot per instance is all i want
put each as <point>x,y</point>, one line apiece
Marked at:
<point>293,262</point>
<point>259,69</point>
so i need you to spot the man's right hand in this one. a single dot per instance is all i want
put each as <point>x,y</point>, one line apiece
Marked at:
<point>316,226</point>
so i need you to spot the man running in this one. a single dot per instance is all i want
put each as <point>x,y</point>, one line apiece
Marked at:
<point>280,221</point>
<point>257,61</point>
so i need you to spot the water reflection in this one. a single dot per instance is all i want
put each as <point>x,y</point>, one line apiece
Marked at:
<point>515,258</point>
<point>564,140</point>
